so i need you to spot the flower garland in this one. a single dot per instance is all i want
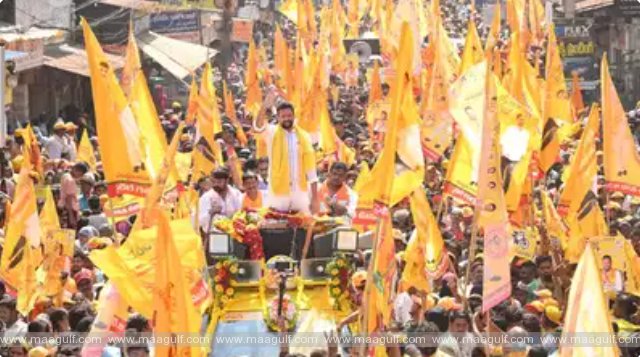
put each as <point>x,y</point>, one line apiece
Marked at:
<point>243,227</point>
<point>339,271</point>
<point>289,313</point>
<point>224,279</point>
<point>293,220</point>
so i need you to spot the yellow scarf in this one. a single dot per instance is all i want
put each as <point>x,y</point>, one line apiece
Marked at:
<point>280,161</point>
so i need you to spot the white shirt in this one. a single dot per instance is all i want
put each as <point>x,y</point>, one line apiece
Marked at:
<point>617,285</point>
<point>18,329</point>
<point>350,206</point>
<point>56,146</point>
<point>231,204</point>
<point>268,133</point>
<point>402,308</point>
<point>71,145</point>
<point>514,142</point>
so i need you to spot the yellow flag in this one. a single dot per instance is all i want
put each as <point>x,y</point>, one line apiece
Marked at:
<point>390,182</point>
<point>130,267</point>
<point>588,310</point>
<point>49,220</point>
<point>578,202</point>
<point>230,111</point>
<point>118,132</point>
<point>633,269</point>
<point>192,106</point>
<point>436,130</point>
<point>589,222</point>
<point>515,15</point>
<point>173,309</point>
<point>353,15</point>
<point>112,315</point>
<point>393,180</point>
<point>375,87</point>
<point>27,285</point>
<point>378,294</point>
<point>58,248</point>
<point>494,31</point>
<point>467,108</point>
<point>85,151</point>
<point>576,94</point>
<point>362,179</point>
<point>583,168</point>
<point>282,62</point>
<point>152,136</point>
<point>536,19</point>
<point>555,226</point>
<point>208,103</point>
<point>491,207</point>
<point>251,81</point>
<point>425,255</point>
<point>206,153</point>
<point>157,188</point>
<point>33,148</point>
<point>461,178</point>
<point>621,159</point>
<point>332,146</point>
<point>557,108</point>
<point>557,103</point>
<point>20,254</point>
<point>472,53</point>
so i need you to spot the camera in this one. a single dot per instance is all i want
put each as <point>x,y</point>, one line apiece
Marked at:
<point>284,267</point>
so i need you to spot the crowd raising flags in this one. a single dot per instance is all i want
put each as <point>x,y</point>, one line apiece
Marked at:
<point>490,178</point>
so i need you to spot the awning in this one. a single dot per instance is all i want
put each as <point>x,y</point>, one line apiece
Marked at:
<point>180,58</point>
<point>128,4</point>
<point>13,55</point>
<point>74,60</point>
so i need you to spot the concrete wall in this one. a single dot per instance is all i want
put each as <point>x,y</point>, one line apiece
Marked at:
<point>43,13</point>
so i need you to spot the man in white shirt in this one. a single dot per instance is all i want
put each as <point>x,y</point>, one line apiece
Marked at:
<point>336,198</point>
<point>297,197</point>
<point>70,129</point>
<point>612,280</point>
<point>222,199</point>
<point>403,306</point>
<point>515,140</point>
<point>15,327</point>
<point>56,145</point>
<point>514,143</point>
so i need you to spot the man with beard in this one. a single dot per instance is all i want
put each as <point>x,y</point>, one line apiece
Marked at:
<point>336,198</point>
<point>222,199</point>
<point>548,277</point>
<point>292,161</point>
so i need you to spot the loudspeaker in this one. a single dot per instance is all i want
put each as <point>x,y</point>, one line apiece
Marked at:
<point>365,241</point>
<point>248,271</point>
<point>314,269</point>
<point>363,47</point>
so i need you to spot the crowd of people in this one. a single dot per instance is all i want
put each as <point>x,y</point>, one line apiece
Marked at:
<point>289,178</point>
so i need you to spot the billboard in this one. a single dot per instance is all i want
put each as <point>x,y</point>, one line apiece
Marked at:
<point>578,51</point>
<point>175,21</point>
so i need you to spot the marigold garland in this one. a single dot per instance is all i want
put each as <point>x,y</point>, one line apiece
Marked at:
<point>226,271</point>
<point>339,271</point>
<point>243,228</point>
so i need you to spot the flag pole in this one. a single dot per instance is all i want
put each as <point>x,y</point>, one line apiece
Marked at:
<point>472,254</point>
<point>364,316</point>
<point>607,197</point>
